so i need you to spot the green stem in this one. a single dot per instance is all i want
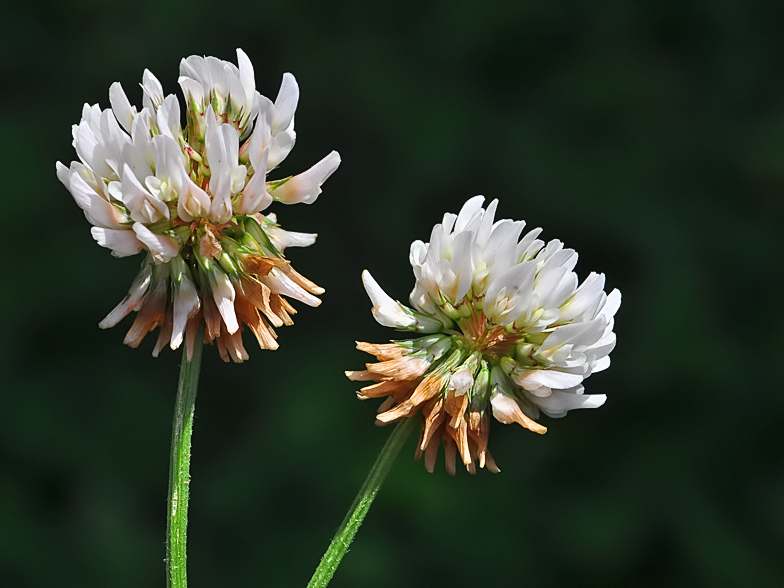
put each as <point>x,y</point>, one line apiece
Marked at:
<point>179,467</point>
<point>356,514</point>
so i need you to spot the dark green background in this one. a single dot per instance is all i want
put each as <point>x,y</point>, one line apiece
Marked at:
<point>649,136</point>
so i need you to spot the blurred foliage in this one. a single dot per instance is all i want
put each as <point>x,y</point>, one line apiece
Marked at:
<point>649,136</point>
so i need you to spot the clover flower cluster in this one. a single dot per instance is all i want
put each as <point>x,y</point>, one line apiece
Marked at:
<point>510,332</point>
<point>191,197</point>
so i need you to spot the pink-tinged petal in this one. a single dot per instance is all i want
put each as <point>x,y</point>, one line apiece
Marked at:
<point>135,295</point>
<point>306,187</point>
<point>123,243</point>
<point>162,247</point>
<point>97,210</point>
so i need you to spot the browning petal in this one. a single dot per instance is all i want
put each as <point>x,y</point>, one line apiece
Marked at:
<point>212,319</point>
<point>383,351</point>
<point>164,335</point>
<point>386,405</point>
<point>431,453</point>
<point>398,388</point>
<point>302,281</point>
<point>258,295</point>
<point>434,417</point>
<point>402,368</point>
<point>456,407</point>
<point>233,345</point>
<point>450,452</point>
<point>281,308</point>
<point>362,376</point>
<point>491,464</point>
<point>151,313</point>
<point>261,266</point>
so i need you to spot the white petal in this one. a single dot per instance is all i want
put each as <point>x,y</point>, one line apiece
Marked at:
<point>601,364</point>
<point>255,197</point>
<point>122,242</point>
<point>386,311</point>
<point>280,146</point>
<point>222,145</point>
<point>192,90</point>
<point>468,212</point>
<point>583,297</point>
<point>223,294</point>
<point>121,107</point>
<point>169,116</point>
<point>186,304</point>
<point>280,283</point>
<point>153,91</point>
<point>285,104</point>
<point>97,210</point>
<point>246,75</point>
<point>282,239</point>
<point>560,402</point>
<point>583,334</point>
<point>63,174</point>
<point>144,207</point>
<point>462,264</point>
<point>194,202</point>
<point>533,379</point>
<point>162,247</point>
<point>613,303</point>
<point>306,187</point>
<point>461,381</point>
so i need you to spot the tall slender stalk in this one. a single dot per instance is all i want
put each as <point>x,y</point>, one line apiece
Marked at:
<point>180,465</point>
<point>356,514</point>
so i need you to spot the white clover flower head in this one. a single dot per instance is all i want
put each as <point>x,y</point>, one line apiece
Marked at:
<point>512,334</point>
<point>192,197</point>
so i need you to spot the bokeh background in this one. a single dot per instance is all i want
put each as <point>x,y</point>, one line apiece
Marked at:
<point>649,136</point>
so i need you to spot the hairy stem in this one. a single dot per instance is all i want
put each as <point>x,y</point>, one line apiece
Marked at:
<point>356,514</point>
<point>179,467</point>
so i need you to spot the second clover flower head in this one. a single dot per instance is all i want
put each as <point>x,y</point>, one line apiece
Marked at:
<point>510,332</point>
<point>192,198</point>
